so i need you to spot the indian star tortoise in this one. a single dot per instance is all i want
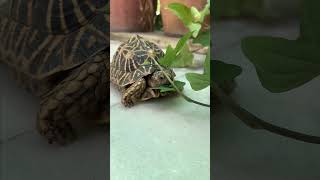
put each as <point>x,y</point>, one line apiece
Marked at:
<point>134,72</point>
<point>59,51</point>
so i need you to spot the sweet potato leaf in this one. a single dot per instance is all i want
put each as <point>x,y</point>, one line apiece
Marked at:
<point>184,58</point>
<point>200,81</point>
<point>174,56</point>
<point>224,72</point>
<point>182,12</point>
<point>282,64</point>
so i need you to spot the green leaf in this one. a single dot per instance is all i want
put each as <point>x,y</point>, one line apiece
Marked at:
<point>207,65</point>
<point>195,28</point>
<point>182,42</point>
<point>310,22</point>
<point>224,72</point>
<point>282,64</point>
<point>204,12</point>
<point>187,16</point>
<point>203,38</point>
<point>171,54</point>
<point>184,58</point>
<point>167,88</point>
<point>183,12</point>
<point>195,14</point>
<point>200,81</point>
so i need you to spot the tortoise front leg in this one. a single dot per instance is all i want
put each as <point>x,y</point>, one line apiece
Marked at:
<point>149,93</point>
<point>133,93</point>
<point>83,92</point>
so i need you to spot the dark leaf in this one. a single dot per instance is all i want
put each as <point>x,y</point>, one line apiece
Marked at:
<point>223,72</point>
<point>282,64</point>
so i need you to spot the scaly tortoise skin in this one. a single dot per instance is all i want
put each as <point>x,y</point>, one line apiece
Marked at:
<point>59,51</point>
<point>134,72</point>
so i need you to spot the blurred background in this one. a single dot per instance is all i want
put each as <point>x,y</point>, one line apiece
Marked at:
<point>261,9</point>
<point>240,153</point>
<point>153,20</point>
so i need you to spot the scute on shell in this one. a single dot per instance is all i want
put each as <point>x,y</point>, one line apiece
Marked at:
<point>133,60</point>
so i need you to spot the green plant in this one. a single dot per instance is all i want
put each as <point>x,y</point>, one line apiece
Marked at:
<point>192,18</point>
<point>181,56</point>
<point>282,65</point>
<point>226,72</point>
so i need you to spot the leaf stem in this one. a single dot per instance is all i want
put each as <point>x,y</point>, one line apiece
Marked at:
<point>177,89</point>
<point>257,123</point>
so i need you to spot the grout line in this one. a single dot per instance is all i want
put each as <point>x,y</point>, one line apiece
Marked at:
<point>19,134</point>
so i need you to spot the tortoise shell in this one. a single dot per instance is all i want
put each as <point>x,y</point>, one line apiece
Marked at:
<point>133,60</point>
<point>43,37</point>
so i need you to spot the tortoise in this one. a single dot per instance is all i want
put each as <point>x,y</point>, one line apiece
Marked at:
<point>59,51</point>
<point>135,73</point>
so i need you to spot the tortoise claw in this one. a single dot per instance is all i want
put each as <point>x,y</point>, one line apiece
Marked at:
<point>60,132</point>
<point>127,102</point>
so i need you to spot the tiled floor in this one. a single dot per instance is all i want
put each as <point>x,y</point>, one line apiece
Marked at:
<point>244,154</point>
<point>165,138</point>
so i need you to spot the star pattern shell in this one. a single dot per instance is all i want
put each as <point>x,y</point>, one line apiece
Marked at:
<point>43,37</point>
<point>134,59</point>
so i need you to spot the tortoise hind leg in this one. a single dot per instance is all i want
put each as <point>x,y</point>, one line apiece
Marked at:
<point>84,91</point>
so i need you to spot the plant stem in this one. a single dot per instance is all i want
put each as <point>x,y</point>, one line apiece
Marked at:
<point>177,89</point>
<point>257,123</point>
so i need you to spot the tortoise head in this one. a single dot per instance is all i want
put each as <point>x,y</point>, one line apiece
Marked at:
<point>158,78</point>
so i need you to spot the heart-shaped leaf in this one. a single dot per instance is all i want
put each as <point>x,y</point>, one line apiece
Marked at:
<point>169,56</point>
<point>191,17</point>
<point>182,11</point>
<point>224,72</point>
<point>200,81</point>
<point>282,64</point>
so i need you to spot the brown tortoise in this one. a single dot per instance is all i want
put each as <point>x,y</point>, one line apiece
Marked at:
<point>134,72</point>
<point>59,50</point>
